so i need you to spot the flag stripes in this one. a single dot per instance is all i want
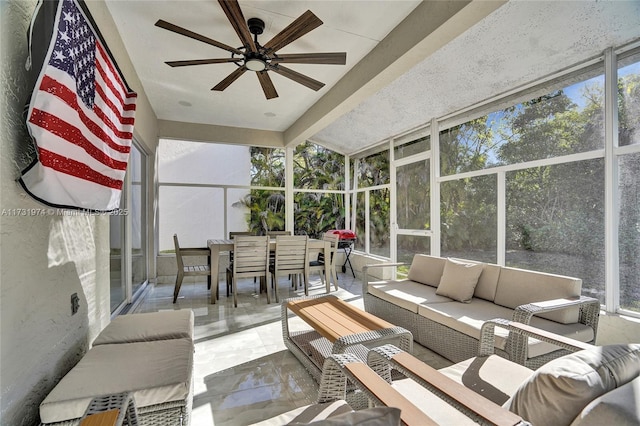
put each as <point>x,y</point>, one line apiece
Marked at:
<point>76,168</point>
<point>81,118</point>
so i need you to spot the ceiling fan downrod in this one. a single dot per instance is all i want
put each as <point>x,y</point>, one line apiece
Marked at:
<point>256,61</point>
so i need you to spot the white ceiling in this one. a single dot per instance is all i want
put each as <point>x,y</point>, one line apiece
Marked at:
<point>483,49</point>
<point>354,27</point>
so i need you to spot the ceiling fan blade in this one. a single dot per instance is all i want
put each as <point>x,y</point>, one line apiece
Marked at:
<point>267,85</point>
<point>229,79</point>
<point>305,23</point>
<point>234,14</point>
<point>334,58</point>
<point>183,31</point>
<point>297,77</point>
<point>202,62</point>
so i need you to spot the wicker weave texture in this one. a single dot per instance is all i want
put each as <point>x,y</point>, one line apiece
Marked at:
<point>168,414</point>
<point>312,349</point>
<point>128,415</point>
<point>457,346</point>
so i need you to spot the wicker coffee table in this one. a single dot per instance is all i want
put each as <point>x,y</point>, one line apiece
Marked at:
<point>336,327</point>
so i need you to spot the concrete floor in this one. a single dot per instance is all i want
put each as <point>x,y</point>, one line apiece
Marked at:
<point>242,371</point>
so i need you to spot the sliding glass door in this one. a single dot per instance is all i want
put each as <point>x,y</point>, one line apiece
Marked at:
<point>129,253</point>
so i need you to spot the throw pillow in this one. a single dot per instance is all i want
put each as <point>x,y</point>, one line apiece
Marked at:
<point>620,407</point>
<point>562,388</point>
<point>378,416</point>
<point>459,280</point>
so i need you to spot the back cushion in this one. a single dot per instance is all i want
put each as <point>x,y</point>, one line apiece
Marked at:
<point>426,269</point>
<point>488,281</point>
<point>562,388</point>
<point>518,287</point>
<point>619,407</point>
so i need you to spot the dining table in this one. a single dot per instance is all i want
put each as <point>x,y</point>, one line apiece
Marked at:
<point>217,246</point>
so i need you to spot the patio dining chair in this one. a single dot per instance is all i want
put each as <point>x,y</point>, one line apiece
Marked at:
<point>291,257</point>
<point>232,235</point>
<point>276,233</point>
<point>250,259</point>
<point>190,270</point>
<point>318,265</point>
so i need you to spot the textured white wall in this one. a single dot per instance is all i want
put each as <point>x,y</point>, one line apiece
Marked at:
<point>43,258</point>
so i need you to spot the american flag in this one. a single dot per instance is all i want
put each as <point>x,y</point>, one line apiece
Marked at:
<point>81,119</point>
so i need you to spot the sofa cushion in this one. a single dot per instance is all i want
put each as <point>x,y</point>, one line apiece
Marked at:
<point>440,411</point>
<point>147,327</point>
<point>468,319</point>
<point>620,407</point>
<point>459,280</point>
<point>488,282</point>
<point>426,269</point>
<point>376,416</point>
<point>519,287</point>
<point>405,294</point>
<point>562,388</point>
<point>157,372</point>
<point>492,376</point>
<point>308,413</point>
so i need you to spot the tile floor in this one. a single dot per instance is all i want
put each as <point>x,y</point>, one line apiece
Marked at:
<point>242,371</point>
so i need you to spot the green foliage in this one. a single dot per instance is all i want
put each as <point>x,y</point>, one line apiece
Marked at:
<point>314,167</point>
<point>265,211</point>
<point>374,170</point>
<point>267,167</point>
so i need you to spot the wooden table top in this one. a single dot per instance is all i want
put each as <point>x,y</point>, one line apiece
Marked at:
<point>105,418</point>
<point>334,318</point>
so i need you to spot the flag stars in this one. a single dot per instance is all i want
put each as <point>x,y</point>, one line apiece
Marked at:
<point>68,17</point>
<point>59,56</point>
<point>64,37</point>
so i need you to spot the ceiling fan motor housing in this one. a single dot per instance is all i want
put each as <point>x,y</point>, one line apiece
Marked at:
<point>256,26</point>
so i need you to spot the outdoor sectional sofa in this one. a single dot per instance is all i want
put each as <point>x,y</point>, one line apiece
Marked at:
<point>444,303</point>
<point>591,386</point>
<point>149,356</point>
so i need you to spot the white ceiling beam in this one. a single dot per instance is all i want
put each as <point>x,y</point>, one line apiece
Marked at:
<point>430,26</point>
<point>219,134</point>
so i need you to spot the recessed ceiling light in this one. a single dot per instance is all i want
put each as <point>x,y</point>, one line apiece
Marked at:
<point>185,103</point>
<point>269,114</point>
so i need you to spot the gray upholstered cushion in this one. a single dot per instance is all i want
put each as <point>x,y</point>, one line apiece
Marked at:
<point>493,377</point>
<point>426,269</point>
<point>378,416</point>
<point>308,413</point>
<point>459,280</point>
<point>156,372</point>
<point>488,282</point>
<point>619,407</point>
<point>468,318</point>
<point>406,294</point>
<point>148,327</point>
<point>518,287</point>
<point>562,388</point>
<point>433,406</point>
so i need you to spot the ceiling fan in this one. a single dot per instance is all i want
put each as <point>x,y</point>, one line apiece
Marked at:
<point>252,56</point>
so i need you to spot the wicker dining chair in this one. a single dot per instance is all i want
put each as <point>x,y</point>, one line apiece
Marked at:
<point>190,270</point>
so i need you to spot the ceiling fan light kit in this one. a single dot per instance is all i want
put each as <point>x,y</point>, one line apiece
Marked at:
<point>260,59</point>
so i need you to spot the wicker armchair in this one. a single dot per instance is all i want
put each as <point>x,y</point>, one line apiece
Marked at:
<point>576,389</point>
